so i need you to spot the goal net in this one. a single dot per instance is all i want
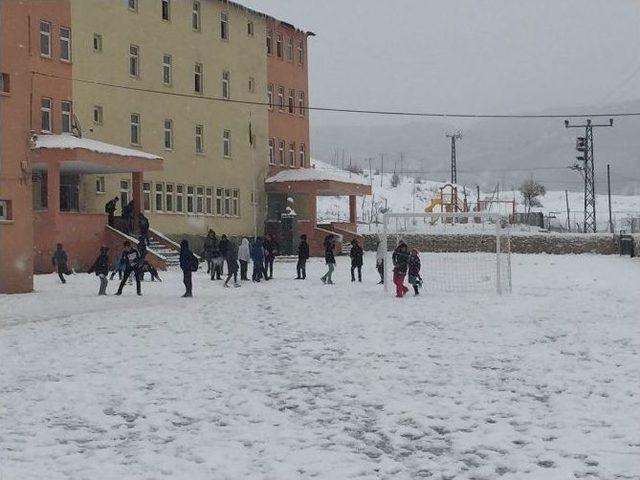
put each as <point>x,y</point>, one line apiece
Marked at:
<point>459,252</point>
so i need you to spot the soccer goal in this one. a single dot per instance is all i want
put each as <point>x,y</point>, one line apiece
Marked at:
<point>459,252</point>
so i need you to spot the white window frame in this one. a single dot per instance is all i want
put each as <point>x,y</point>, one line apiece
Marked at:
<point>289,49</point>
<point>5,83</point>
<point>199,139</point>
<point>200,207</point>
<point>219,201</point>
<point>46,109</point>
<point>167,69</point>
<point>166,10</point>
<point>125,188</point>
<point>65,44</point>
<point>100,186</point>
<point>158,194</point>
<point>180,199</point>
<point>208,201</point>
<point>252,85</point>
<point>66,116</point>
<point>302,155</point>
<point>97,43</point>
<point>270,96</point>
<point>169,198</point>
<point>301,104</point>
<point>45,39</point>
<point>132,5</point>
<point>198,78</point>
<point>224,26</point>
<point>279,47</point>
<point>226,85</point>
<point>235,203</point>
<point>292,155</point>
<point>251,28</point>
<point>196,19</point>
<point>291,104</point>
<point>281,152</point>
<point>227,202</point>
<point>281,101</point>
<point>146,196</point>
<point>272,151</point>
<point>301,50</point>
<point>134,61</point>
<point>269,41</point>
<point>168,134</point>
<point>191,193</point>
<point>226,143</point>
<point>4,210</point>
<point>135,123</point>
<point>98,115</point>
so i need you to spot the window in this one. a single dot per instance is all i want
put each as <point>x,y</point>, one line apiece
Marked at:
<point>303,156</point>
<point>252,85</point>
<point>279,46</point>
<point>167,69</point>
<point>197,77</point>
<point>250,29</point>
<point>4,210</point>
<point>66,112</point>
<point>159,197</point>
<point>227,201</point>
<point>100,186</point>
<point>292,155</point>
<point>200,200</point>
<point>270,95</point>
<point>281,98</point>
<point>97,42</point>
<point>272,153</point>
<point>281,152</point>
<point>269,42</point>
<point>179,198</point>
<point>290,49</point>
<point>135,129</point>
<point>224,26</point>
<point>45,39</point>
<point>219,201</point>
<point>209,201</point>
<point>133,5</point>
<point>168,199</point>
<point>226,85</point>
<point>5,83</point>
<point>292,101</point>
<point>146,196</point>
<point>45,115</point>
<point>195,16</point>
<point>301,104</point>
<point>235,203</point>
<point>168,134</point>
<point>199,139</point>
<point>301,52</point>
<point>124,192</point>
<point>166,10</point>
<point>226,144</point>
<point>134,61</point>
<point>65,44</point>
<point>190,204</point>
<point>97,115</point>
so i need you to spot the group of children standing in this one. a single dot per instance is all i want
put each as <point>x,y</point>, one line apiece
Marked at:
<point>263,252</point>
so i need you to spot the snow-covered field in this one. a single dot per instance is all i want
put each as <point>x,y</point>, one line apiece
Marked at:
<point>296,380</point>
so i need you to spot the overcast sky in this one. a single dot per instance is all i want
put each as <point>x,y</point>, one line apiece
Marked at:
<point>468,56</point>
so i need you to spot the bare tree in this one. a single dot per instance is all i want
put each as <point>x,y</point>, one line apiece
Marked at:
<point>530,191</point>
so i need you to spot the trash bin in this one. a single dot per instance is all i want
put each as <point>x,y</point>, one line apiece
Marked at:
<point>627,245</point>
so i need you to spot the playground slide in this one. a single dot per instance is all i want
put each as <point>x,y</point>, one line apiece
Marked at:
<point>433,204</point>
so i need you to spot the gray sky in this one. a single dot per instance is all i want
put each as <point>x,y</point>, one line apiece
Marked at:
<point>467,56</point>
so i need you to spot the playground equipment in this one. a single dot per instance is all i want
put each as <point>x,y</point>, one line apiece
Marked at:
<point>448,201</point>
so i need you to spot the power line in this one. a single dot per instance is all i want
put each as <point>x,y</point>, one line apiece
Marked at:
<point>354,111</point>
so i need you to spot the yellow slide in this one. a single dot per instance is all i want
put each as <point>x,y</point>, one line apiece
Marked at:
<point>437,201</point>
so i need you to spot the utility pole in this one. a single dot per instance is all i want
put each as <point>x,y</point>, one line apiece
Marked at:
<point>381,169</point>
<point>584,145</point>
<point>566,196</point>
<point>611,230</point>
<point>454,167</point>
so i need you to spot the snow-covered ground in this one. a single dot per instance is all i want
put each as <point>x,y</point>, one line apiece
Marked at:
<point>296,380</point>
<point>407,197</point>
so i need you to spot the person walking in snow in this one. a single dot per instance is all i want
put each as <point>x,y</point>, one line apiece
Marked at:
<point>128,211</point>
<point>381,253</point>
<point>232,265</point>
<point>303,256</point>
<point>210,244</point>
<point>257,256</point>
<point>101,269</point>
<point>132,265</point>
<point>223,245</point>
<point>244,256</point>
<point>110,210</point>
<point>217,260</point>
<point>329,258</point>
<point>414,271</point>
<point>356,255</point>
<point>400,266</point>
<point>188,265</point>
<point>59,260</point>
<point>271,248</point>
<point>143,225</point>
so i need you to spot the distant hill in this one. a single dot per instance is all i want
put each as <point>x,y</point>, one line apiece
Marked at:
<point>492,151</point>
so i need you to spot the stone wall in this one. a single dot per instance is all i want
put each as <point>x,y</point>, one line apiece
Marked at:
<point>556,244</point>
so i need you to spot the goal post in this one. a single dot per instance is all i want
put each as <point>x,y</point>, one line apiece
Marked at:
<point>460,252</point>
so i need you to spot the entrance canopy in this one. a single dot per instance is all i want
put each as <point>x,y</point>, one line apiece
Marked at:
<point>85,156</point>
<point>319,182</point>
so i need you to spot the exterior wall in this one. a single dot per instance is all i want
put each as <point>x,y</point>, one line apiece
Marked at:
<point>242,55</point>
<point>19,114</point>
<point>292,75</point>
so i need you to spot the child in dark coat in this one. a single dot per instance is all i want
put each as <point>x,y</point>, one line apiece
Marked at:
<point>101,269</point>
<point>414,271</point>
<point>356,260</point>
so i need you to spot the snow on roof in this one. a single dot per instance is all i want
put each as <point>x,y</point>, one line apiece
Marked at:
<point>320,172</point>
<point>70,142</point>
